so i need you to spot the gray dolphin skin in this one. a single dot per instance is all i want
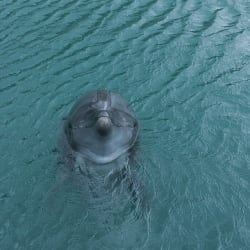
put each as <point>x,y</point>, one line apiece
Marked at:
<point>101,133</point>
<point>101,127</point>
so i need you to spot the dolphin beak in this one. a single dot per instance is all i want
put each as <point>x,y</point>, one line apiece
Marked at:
<point>103,125</point>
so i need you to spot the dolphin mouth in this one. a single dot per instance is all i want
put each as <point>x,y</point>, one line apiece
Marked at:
<point>104,159</point>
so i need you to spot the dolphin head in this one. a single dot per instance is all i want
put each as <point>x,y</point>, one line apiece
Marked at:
<point>101,126</point>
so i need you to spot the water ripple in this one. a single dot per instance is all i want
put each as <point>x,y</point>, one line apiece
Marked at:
<point>184,68</point>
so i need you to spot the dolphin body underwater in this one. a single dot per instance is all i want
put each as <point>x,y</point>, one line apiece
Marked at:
<point>102,132</point>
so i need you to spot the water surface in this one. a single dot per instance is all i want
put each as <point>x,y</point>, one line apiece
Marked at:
<point>183,66</point>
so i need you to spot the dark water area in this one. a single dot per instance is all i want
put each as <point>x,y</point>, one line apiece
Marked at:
<point>184,68</point>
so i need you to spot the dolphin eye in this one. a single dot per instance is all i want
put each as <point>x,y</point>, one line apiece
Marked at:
<point>68,130</point>
<point>135,124</point>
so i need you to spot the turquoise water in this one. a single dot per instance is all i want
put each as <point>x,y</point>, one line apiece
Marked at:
<point>183,66</point>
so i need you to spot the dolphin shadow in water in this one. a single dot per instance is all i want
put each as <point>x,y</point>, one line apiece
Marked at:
<point>102,130</point>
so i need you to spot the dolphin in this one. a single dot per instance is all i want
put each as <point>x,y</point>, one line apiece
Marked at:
<point>101,127</point>
<point>102,130</point>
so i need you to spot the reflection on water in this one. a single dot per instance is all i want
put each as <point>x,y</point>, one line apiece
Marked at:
<point>184,68</point>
